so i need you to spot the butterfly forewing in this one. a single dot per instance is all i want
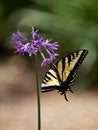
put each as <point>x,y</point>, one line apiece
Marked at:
<point>68,63</point>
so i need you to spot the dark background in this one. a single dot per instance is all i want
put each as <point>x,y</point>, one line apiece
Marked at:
<point>74,25</point>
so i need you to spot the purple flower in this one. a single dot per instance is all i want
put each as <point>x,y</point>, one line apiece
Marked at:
<point>53,46</point>
<point>34,34</point>
<point>36,44</point>
<point>18,37</point>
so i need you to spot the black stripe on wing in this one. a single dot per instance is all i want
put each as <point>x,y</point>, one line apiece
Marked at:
<point>51,75</point>
<point>48,88</point>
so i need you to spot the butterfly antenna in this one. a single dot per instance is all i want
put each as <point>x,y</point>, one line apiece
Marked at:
<point>65,97</point>
<point>53,66</point>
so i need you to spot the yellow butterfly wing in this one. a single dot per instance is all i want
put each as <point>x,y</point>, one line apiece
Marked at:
<point>70,64</point>
<point>50,80</point>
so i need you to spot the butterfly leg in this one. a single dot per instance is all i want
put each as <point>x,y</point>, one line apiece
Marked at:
<point>70,90</point>
<point>65,96</point>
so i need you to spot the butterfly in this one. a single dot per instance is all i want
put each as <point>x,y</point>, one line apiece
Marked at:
<point>61,75</point>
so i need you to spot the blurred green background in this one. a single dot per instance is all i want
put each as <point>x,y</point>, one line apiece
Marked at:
<point>74,24</point>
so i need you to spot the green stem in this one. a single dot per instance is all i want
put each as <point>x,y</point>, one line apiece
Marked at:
<point>38,93</point>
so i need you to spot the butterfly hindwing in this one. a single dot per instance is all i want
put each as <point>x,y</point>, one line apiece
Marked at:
<point>50,80</point>
<point>61,75</point>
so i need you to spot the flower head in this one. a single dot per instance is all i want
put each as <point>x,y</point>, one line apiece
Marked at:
<point>36,44</point>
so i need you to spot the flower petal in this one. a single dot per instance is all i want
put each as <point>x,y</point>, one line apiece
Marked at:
<point>18,37</point>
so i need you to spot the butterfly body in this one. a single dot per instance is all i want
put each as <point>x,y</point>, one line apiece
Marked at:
<point>61,75</point>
